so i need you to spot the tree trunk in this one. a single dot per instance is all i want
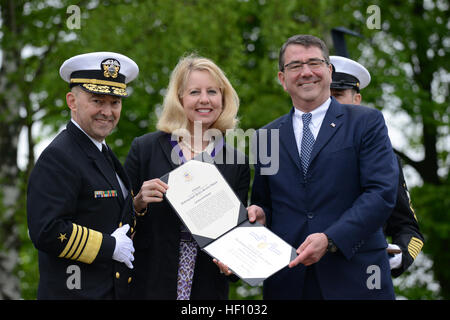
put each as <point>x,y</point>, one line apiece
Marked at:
<point>10,194</point>
<point>10,182</point>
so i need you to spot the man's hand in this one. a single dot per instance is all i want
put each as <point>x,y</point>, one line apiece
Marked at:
<point>256,213</point>
<point>123,252</point>
<point>311,250</point>
<point>223,267</point>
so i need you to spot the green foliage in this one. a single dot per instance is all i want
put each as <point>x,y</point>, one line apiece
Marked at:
<point>432,206</point>
<point>416,292</point>
<point>28,271</point>
<point>241,290</point>
<point>417,282</point>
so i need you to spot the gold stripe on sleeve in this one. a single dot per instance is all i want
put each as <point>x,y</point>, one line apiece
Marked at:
<point>81,244</point>
<point>70,242</point>
<point>92,247</point>
<point>414,247</point>
<point>76,243</point>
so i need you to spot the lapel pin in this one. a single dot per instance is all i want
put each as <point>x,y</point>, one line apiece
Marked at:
<point>333,124</point>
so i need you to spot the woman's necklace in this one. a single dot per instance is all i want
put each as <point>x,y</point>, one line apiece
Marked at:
<point>190,147</point>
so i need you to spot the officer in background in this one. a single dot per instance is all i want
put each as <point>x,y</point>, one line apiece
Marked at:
<point>79,200</point>
<point>348,78</point>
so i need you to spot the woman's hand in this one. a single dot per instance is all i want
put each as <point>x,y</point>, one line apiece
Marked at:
<point>151,191</point>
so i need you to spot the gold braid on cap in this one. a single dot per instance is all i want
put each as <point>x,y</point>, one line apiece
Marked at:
<point>101,82</point>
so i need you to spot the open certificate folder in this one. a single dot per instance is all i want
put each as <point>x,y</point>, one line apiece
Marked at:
<point>218,221</point>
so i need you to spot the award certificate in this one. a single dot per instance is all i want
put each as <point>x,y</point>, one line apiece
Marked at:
<point>252,251</point>
<point>218,222</point>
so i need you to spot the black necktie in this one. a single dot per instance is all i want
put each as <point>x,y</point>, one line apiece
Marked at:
<point>105,152</point>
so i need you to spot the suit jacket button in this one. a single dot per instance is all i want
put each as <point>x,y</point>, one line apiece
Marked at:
<point>129,279</point>
<point>117,275</point>
<point>310,215</point>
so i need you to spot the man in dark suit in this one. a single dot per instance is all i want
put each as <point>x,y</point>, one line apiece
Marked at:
<point>79,205</point>
<point>349,77</point>
<point>334,190</point>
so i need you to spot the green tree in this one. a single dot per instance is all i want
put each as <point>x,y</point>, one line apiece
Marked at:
<point>28,39</point>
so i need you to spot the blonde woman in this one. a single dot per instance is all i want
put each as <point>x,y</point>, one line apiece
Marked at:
<point>200,105</point>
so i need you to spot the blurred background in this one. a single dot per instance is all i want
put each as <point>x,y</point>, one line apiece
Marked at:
<point>404,45</point>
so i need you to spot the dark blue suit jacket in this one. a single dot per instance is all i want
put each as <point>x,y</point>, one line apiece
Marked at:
<point>349,192</point>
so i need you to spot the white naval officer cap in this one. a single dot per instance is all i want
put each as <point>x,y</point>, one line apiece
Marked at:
<point>348,74</point>
<point>100,72</point>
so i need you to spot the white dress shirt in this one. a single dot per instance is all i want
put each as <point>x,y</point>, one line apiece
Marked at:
<point>318,115</point>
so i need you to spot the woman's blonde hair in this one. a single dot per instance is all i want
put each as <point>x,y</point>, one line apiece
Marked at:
<point>173,116</point>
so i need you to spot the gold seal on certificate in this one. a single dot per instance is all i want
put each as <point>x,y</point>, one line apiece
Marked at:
<point>218,222</point>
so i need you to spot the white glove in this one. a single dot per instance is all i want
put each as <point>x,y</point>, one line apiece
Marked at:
<point>395,261</point>
<point>123,252</point>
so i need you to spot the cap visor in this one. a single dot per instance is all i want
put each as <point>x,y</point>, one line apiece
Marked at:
<point>341,86</point>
